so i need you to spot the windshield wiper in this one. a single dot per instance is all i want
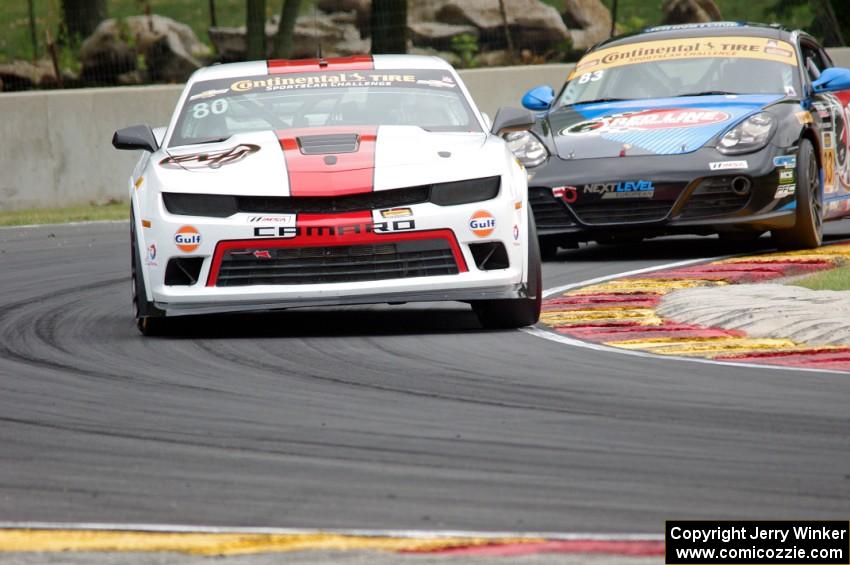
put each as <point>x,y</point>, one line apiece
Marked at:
<point>600,100</point>
<point>709,93</point>
<point>210,140</point>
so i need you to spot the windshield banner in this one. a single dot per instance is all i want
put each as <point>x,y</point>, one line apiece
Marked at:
<point>762,48</point>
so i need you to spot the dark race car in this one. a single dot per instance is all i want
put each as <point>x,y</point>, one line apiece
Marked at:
<point>726,128</point>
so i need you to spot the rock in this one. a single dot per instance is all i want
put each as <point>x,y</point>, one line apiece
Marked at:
<point>362,10</point>
<point>24,75</point>
<point>337,35</point>
<point>170,49</point>
<point>533,24</point>
<point>589,22</point>
<point>438,35</point>
<point>689,11</point>
<point>498,58</point>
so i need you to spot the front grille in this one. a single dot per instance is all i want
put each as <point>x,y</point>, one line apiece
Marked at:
<point>549,213</point>
<point>713,197</point>
<point>622,211</point>
<point>328,144</point>
<point>333,204</point>
<point>258,264</point>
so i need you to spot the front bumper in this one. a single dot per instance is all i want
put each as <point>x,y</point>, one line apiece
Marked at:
<point>689,197</point>
<point>223,239</point>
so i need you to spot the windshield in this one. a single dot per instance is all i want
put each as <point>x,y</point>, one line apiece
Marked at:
<point>692,66</point>
<point>430,99</point>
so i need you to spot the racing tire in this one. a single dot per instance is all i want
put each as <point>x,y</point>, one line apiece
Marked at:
<point>517,312</point>
<point>150,320</point>
<point>807,232</point>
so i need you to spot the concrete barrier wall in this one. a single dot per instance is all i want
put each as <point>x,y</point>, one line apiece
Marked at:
<point>55,147</point>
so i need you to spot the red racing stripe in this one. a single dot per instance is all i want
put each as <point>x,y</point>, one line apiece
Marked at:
<point>312,175</point>
<point>354,63</point>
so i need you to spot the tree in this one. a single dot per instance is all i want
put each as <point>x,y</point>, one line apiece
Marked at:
<point>255,24</point>
<point>82,16</point>
<point>388,23</point>
<point>283,39</point>
<point>830,21</point>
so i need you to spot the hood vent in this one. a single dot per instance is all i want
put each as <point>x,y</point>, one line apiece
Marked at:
<point>328,144</point>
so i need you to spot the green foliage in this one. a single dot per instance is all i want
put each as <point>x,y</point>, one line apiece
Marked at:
<point>466,47</point>
<point>834,279</point>
<point>112,210</point>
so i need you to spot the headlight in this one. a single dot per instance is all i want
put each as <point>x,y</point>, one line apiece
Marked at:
<point>750,135</point>
<point>465,191</point>
<point>527,148</point>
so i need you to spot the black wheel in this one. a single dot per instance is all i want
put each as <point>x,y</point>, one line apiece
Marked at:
<point>517,312</point>
<point>149,319</point>
<point>807,232</point>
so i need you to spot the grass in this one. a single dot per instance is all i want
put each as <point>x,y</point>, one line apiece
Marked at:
<point>834,279</point>
<point>15,41</point>
<point>110,211</point>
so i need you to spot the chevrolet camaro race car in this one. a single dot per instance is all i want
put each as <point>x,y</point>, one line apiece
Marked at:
<point>327,182</point>
<point>726,128</point>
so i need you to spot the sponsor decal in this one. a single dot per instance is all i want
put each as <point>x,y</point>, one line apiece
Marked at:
<point>338,230</point>
<point>187,239</point>
<point>482,223</point>
<point>785,161</point>
<point>828,168</point>
<point>568,194</point>
<point>328,80</point>
<point>804,117</point>
<point>786,176</point>
<point>827,139</point>
<point>789,90</point>
<point>150,255</point>
<point>784,190</point>
<point>445,82</point>
<point>208,94</point>
<point>284,219</point>
<point>654,119</point>
<point>396,213</point>
<point>211,159</point>
<point>761,48</point>
<point>516,232</point>
<point>726,165</point>
<point>625,189</point>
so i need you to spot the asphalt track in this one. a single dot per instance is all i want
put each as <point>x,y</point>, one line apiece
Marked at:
<point>404,417</point>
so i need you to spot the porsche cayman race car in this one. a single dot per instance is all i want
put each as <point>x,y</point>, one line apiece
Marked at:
<point>726,128</point>
<point>328,182</point>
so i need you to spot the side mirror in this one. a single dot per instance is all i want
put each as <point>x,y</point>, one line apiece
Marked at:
<point>538,98</point>
<point>832,79</point>
<point>512,119</point>
<point>135,137</point>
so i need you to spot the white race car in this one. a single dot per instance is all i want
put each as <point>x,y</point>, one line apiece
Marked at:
<point>356,180</point>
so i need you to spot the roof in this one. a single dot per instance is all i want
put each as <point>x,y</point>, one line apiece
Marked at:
<point>700,30</point>
<point>358,62</point>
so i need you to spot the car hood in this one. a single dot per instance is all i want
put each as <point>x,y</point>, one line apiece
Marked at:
<point>328,161</point>
<point>662,126</point>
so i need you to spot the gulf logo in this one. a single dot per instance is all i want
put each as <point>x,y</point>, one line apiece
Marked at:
<point>187,239</point>
<point>482,223</point>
